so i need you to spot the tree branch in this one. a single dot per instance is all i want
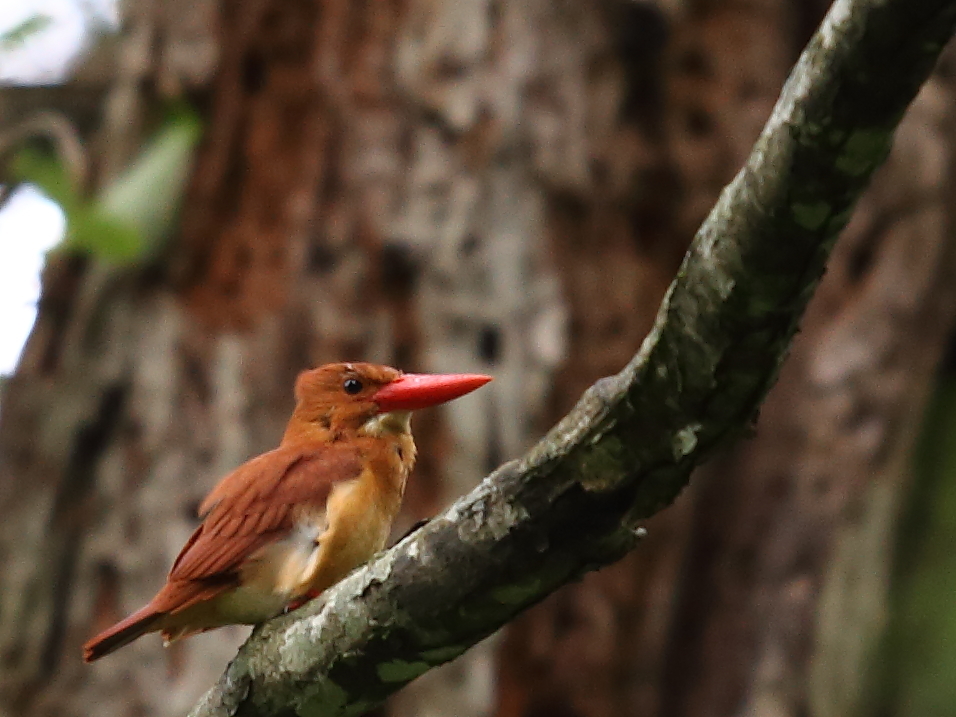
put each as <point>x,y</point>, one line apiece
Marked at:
<point>573,502</point>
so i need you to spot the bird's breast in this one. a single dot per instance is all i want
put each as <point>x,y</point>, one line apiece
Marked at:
<point>276,574</point>
<point>321,549</point>
<point>360,520</point>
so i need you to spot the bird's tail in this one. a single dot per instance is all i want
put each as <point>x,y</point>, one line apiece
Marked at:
<point>122,633</point>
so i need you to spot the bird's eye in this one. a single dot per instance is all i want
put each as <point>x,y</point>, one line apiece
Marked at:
<point>352,386</point>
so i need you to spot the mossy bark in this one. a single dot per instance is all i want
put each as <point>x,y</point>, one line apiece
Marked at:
<point>575,501</point>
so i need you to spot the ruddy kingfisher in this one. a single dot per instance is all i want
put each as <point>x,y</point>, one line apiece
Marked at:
<point>288,524</point>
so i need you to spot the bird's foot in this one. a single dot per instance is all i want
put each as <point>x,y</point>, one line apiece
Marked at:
<point>420,524</point>
<point>300,601</point>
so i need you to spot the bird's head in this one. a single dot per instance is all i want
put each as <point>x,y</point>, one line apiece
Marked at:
<point>342,398</point>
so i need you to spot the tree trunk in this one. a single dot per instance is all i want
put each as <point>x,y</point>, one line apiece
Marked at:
<point>498,187</point>
<point>324,221</point>
<point>762,590</point>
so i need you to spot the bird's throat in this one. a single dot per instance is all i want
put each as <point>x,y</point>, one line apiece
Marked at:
<point>385,424</point>
<point>394,429</point>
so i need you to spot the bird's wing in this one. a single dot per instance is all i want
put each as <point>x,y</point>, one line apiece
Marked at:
<point>253,506</point>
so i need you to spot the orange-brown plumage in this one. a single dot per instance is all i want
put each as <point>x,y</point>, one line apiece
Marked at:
<point>289,523</point>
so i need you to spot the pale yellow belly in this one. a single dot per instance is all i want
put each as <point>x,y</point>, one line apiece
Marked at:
<point>309,561</point>
<point>317,554</point>
<point>249,605</point>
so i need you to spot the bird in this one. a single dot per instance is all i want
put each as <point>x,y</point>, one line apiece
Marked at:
<point>288,524</point>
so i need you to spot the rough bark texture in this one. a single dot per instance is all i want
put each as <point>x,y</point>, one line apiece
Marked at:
<point>781,612</point>
<point>627,448</point>
<point>603,646</point>
<point>323,222</point>
<point>446,186</point>
<point>598,647</point>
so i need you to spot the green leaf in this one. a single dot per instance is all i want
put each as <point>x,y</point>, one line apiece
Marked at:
<point>915,678</point>
<point>91,231</point>
<point>46,171</point>
<point>134,212</point>
<point>147,195</point>
<point>19,34</point>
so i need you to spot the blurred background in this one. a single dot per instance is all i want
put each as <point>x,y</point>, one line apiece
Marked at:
<point>221,194</point>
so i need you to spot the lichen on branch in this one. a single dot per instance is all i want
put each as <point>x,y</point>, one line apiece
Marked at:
<point>573,503</point>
